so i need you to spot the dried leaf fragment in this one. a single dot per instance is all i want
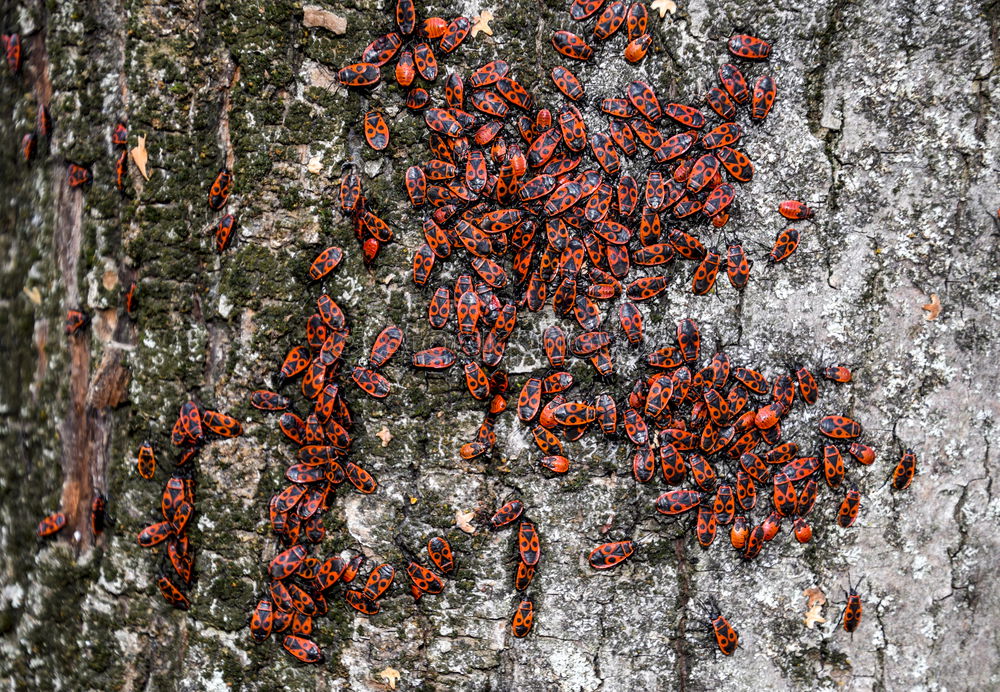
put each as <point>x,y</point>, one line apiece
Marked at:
<point>816,601</point>
<point>463,520</point>
<point>933,308</point>
<point>140,156</point>
<point>815,595</point>
<point>384,435</point>
<point>482,23</point>
<point>813,616</point>
<point>391,677</point>
<point>317,16</point>
<point>664,6</point>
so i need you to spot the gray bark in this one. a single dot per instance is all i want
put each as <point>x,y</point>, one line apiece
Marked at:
<point>885,123</point>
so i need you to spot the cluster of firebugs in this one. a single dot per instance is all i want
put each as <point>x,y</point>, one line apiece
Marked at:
<point>527,196</point>
<point>574,236</point>
<point>300,583</point>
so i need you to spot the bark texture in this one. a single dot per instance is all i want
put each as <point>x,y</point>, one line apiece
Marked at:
<point>886,123</point>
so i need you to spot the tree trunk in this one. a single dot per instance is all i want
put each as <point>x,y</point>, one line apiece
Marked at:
<point>885,123</point>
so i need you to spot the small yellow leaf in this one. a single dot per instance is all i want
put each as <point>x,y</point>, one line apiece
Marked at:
<point>482,24</point>
<point>391,676</point>
<point>384,435</point>
<point>140,156</point>
<point>933,308</point>
<point>463,520</point>
<point>34,295</point>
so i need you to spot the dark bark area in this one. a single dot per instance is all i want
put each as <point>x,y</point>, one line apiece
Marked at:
<point>885,123</point>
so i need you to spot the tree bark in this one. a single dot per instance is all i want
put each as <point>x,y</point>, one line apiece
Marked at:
<point>885,123</point>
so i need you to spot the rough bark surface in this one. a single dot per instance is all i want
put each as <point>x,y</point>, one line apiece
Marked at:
<point>886,123</point>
